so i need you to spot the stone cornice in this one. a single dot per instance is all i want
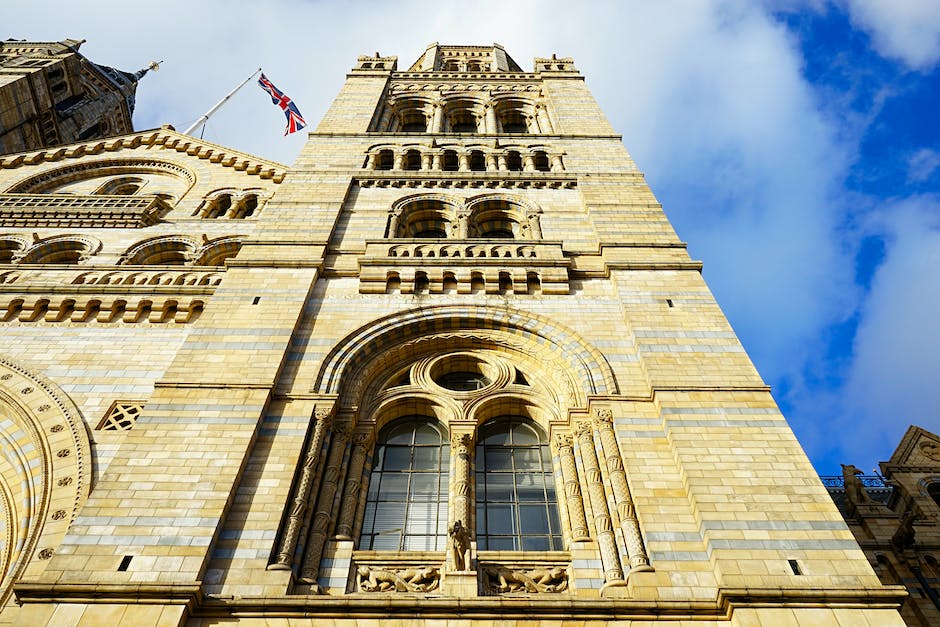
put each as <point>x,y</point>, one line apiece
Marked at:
<point>166,138</point>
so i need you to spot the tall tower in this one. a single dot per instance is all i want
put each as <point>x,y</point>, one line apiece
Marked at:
<point>453,364</point>
<point>51,95</point>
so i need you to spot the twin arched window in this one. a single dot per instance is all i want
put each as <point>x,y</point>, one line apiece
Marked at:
<point>407,502</point>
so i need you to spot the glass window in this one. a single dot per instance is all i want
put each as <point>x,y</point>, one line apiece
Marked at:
<point>406,506</point>
<point>515,490</point>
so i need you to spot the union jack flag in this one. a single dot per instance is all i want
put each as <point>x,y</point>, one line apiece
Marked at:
<point>295,121</point>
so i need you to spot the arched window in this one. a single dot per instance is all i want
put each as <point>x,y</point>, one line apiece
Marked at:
<point>540,158</point>
<point>386,160</point>
<point>513,161</point>
<point>477,161</point>
<point>406,505</point>
<point>413,122</point>
<point>412,160</point>
<point>515,489</point>
<point>934,491</point>
<point>450,162</point>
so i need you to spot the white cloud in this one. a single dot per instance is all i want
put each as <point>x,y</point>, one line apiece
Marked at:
<point>893,380</point>
<point>906,30</point>
<point>922,164</point>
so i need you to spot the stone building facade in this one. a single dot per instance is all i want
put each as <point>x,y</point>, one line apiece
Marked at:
<point>51,95</point>
<point>895,516</point>
<point>454,363</point>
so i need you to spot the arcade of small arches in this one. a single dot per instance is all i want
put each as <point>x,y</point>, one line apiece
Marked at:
<point>230,204</point>
<point>463,159</point>
<point>171,250</point>
<point>439,216</point>
<point>509,114</point>
<point>469,426</point>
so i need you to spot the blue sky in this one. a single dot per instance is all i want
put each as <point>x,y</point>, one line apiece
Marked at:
<point>795,145</point>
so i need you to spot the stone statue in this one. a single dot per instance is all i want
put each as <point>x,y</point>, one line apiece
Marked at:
<point>459,546</point>
<point>903,538</point>
<point>416,579</point>
<point>855,492</point>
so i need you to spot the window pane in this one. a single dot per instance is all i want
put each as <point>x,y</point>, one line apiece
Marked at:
<point>426,457</point>
<point>426,434</point>
<point>535,543</point>
<point>501,543</point>
<point>527,459</point>
<point>524,434</point>
<point>499,518</point>
<point>397,458</point>
<point>386,542</point>
<point>529,487</point>
<point>394,486</point>
<point>424,486</point>
<point>498,459</point>
<point>534,518</point>
<point>499,487</point>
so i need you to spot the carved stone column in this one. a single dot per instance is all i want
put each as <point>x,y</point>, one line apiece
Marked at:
<point>545,125</point>
<point>535,225</point>
<point>426,161</point>
<point>532,125</point>
<point>490,118</point>
<point>361,441</point>
<point>528,163</point>
<point>461,451</point>
<point>301,497</point>
<point>639,561</point>
<point>320,524</point>
<point>557,165</point>
<point>393,223</point>
<point>373,161</point>
<point>564,442</point>
<point>501,162</point>
<point>399,161</point>
<point>437,118</point>
<point>606,541</point>
<point>491,164</point>
<point>463,224</point>
<point>437,163</point>
<point>463,162</point>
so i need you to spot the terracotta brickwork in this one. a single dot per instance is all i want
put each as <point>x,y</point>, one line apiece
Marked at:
<point>463,252</point>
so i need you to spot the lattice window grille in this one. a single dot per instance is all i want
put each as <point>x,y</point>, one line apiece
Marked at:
<point>121,417</point>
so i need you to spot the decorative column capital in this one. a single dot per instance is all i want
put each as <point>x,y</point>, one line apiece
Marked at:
<point>584,429</point>
<point>603,416</point>
<point>462,443</point>
<point>564,440</point>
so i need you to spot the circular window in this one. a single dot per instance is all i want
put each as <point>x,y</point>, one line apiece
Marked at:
<point>462,373</point>
<point>463,381</point>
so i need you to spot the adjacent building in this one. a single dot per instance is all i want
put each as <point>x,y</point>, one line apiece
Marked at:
<point>452,364</point>
<point>51,95</point>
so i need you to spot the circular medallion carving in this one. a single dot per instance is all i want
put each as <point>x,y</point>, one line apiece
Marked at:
<point>59,514</point>
<point>65,481</point>
<point>46,553</point>
<point>56,428</point>
<point>26,390</point>
<point>930,450</point>
<point>63,453</point>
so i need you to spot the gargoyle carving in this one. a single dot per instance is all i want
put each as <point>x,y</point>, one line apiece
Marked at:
<point>416,579</point>
<point>501,579</point>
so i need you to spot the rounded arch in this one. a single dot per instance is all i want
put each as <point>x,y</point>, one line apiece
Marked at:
<point>45,470</point>
<point>70,248</point>
<point>161,250</point>
<point>425,215</point>
<point>54,178</point>
<point>582,369</point>
<point>12,247</point>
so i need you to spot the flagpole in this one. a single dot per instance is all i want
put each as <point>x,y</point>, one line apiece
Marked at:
<point>219,104</point>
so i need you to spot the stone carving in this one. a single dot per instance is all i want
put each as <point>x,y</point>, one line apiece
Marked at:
<point>459,546</point>
<point>417,579</point>
<point>855,492</point>
<point>46,553</point>
<point>501,579</point>
<point>903,538</point>
<point>606,542</point>
<point>574,502</point>
<point>930,450</point>
<point>629,524</point>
